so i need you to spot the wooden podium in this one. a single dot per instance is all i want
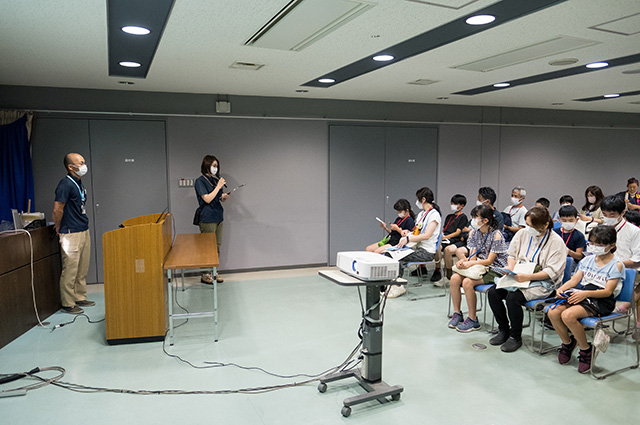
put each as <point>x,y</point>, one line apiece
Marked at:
<point>135,289</point>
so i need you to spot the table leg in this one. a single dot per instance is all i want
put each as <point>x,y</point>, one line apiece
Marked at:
<point>169,284</point>
<point>182,277</point>
<point>215,304</point>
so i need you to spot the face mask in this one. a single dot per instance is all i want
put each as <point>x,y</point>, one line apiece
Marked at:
<point>478,203</point>
<point>568,226</point>
<point>598,250</point>
<point>591,199</point>
<point>532,231</point>
<point>401,215</point>
<point>476,224</point>
<point>214,170</point>
<point>565,205</point>
<point>610,221</point>
<point>419,204</point>
<point>454,208</point>
<point>515,201</point>
<point>82,170</point>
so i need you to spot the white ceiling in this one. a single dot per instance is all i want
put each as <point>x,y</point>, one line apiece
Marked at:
<point>64,44</point>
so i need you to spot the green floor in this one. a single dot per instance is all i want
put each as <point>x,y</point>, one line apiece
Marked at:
<point>307,324</point>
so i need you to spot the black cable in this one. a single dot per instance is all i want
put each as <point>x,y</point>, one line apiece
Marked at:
<point>74,319</point>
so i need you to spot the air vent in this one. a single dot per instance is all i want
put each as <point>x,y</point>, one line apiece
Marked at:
<point>628,25</point>
<point>563,62</point>
<point>248,66</point>
<point>528,53</point>
<point>303,22</point>
<point>422,82</point>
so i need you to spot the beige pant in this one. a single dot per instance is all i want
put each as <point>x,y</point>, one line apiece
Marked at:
<point>76,252</point>
<point>213,228</point>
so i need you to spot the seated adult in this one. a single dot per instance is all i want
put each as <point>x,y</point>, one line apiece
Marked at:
<point>572,237</point>
<point>537,244</point>
<point>631,196</point>
<point>516,211</point>
<point>453,232</point>
<point>487,248</point>
<point>600,276</point>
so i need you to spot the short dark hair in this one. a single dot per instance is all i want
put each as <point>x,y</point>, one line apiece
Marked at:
<point>459,199</point>
<point>566,199</point>
<point>632,180</point>
<point>604,235</point>
<point>488,194</point>
<point>568,211</point>
<point>544,202</point>
<point>205,167</point>
<point>540,217</point>
<point>633,217</point>
<point>613,203</point>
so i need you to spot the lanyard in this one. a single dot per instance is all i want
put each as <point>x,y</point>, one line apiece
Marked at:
<point>539,246</point>
<point>424,218</point>
<point>448,223</point>
<point>567,241</point>
<point>74,182</point>
<point>402,221</point>
<point>481,245</point>
<point>511,215</point>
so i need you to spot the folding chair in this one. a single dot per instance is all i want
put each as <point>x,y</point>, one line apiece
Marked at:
<point>418,265</point>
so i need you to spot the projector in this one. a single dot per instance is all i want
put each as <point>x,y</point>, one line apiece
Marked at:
<point>368,265</point>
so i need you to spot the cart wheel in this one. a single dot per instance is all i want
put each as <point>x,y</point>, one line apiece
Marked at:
<point>322,387</point>
<point>395,397</point>
<point>346,411</point>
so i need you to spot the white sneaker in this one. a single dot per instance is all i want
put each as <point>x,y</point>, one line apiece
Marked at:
<point>396,291</point>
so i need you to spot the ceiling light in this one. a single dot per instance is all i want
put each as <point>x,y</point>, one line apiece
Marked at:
<point>128,64</point>
<point>135,30</point>
<point>480,19</point>
<point>326,80</point>
<point>596,65</point>
<point>501,85</point>
<point>612,95</point>
<point>383,58</point>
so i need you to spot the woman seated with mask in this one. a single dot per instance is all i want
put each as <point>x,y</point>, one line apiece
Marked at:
<point>537,244</point>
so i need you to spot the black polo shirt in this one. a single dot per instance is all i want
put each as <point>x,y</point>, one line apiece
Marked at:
<point>73,195</point>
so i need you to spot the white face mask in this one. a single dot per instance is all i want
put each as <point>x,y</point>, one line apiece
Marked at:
<point>401,214</point>
<point>82,170</point>
<point>598,250</point>
<point>564,205</point>
<point>476,223</point>
<point>454,208</point>
<point>568,226</point>
<point>591,199</point>
<point>531,230</point>
<point>515,201</point>
<point>214,170</point>
<point>418,204</point>
<point>478,203</point>
<point>610,221</point>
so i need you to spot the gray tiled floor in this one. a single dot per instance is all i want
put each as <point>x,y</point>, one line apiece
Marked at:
<point>296,322</point>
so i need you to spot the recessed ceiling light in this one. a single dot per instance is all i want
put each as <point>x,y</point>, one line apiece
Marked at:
<point>480,19</point>
<point>135,30</point>
<point>612,95</point>
<point>326,80</point>
<point>383,58</point>
<point>563,62</point>
<point>127,83</point>
<point>129,64</point>
<point>596,65</point>
<point>501,85</point>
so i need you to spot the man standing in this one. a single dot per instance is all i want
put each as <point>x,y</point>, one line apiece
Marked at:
<point>72,225</point>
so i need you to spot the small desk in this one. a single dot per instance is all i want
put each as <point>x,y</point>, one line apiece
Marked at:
<point>370,374</point>
<point>193,251</point>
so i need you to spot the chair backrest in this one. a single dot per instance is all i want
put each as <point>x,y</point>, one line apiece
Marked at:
<point>567,270</point>
<point>438,242</point>
<point>626,295</point>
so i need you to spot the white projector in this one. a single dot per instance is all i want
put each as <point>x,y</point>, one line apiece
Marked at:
<point>368,265</point>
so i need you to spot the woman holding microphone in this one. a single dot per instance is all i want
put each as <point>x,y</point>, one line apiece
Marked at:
<point>210,197</point>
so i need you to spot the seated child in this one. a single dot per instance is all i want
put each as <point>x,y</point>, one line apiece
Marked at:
<point>405,221</point>
<point>543,202</point>
<point>572,237</point>
<point>487,248</point>
<point>452,231</point>
<point>564,201</point>
<point>600,276</point>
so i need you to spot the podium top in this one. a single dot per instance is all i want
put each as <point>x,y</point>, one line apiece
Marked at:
<point>193,251</point>
<point>147,219</point>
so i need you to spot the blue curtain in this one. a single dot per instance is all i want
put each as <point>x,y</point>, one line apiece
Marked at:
<point>16,172</point>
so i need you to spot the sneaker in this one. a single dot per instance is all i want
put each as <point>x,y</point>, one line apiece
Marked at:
<point>219,278</point>
<point>436,276</point>
<point>500,338</point>
<point>456,319</point>
<point>584,360</point>
<point>73,310</point>
<point>566,350</point>
<point>206,278</point>
<point>85,303</point>
<point>396,291</point>
<point>468,325</point>
<point>511,345</point>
